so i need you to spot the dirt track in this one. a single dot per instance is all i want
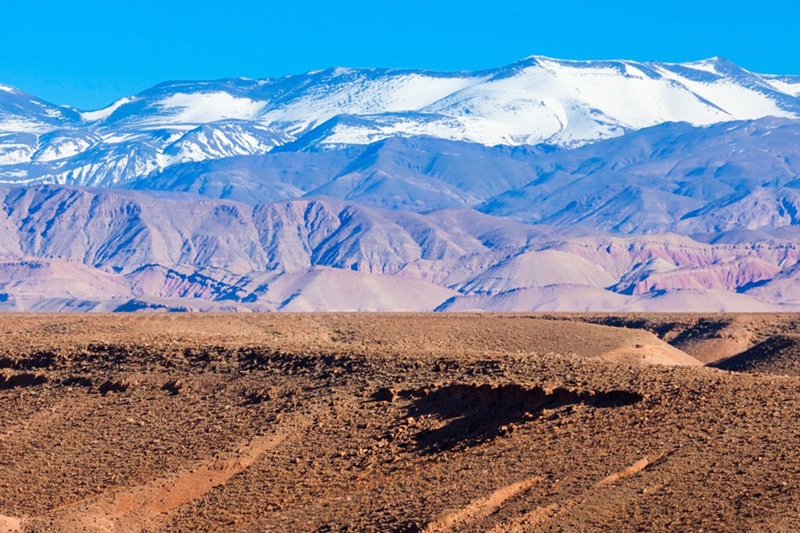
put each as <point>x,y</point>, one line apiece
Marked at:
<point>390,423</point>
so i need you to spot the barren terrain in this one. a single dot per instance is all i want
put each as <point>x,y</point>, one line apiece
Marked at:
<point>399,422</point>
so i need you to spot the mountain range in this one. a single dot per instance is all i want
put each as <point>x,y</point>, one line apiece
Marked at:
<point>541,185</point>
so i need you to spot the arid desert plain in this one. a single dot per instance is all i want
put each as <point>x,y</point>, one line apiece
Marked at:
<point>399,422</point>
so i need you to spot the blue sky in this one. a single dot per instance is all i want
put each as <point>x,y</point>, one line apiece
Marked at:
<point>88,53</point>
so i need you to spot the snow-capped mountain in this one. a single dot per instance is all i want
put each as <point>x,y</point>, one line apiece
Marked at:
<point>537,100</point>
<point>96,157</point>
<point>532,101</point>
<point>23,112</point>
<point>542,185</point>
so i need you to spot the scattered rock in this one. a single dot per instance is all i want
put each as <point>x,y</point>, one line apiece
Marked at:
<point>113,386</point>
<point>257,396</point>
<point>174,387</point>
<point>77,381</point>
<point>385,394</point>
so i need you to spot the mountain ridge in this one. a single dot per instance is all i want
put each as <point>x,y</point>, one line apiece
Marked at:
<point>541,185</point>
<point>83,248</point>
<point>532,101</point>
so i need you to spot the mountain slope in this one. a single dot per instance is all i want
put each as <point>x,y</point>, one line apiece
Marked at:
<point>72,248</point>
<point>672,177</point>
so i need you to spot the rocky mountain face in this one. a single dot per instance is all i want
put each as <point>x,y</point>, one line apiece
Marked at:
<point>72,248</point>
<point>542,185</point>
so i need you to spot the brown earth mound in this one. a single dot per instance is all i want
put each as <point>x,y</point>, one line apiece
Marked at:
<point>707,338</point>
<point>777,355</point>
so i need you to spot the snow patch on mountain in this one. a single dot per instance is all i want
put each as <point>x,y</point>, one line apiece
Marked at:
<point>356,92</point>
<point>62,144</point>
<point>202,108</point>
<point>786,85</point>
<point>222,139</point>
<point>102,114</point>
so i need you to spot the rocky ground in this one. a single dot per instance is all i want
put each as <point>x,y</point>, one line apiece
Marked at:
<point>399,423</point>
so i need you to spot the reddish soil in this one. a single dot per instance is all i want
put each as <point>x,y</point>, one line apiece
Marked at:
<point>395,423</point>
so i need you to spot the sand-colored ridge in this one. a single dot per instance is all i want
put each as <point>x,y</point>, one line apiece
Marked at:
<point>529,520</point>
<point>650,350</point>
<point>165,495</point>
<point>535,518</point>
<point>136,508</point>
<point>629,471</point>
<point>399,333</point>
<point>480,508</point>
<point>10,524</point>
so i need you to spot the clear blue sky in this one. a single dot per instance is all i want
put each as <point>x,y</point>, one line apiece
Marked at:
<point>88,53</point>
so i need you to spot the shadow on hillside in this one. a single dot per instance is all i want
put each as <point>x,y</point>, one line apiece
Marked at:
<point>477,413</point>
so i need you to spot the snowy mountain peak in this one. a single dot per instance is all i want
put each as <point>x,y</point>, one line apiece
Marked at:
<point>102,114</point>
<point>536,100</point>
